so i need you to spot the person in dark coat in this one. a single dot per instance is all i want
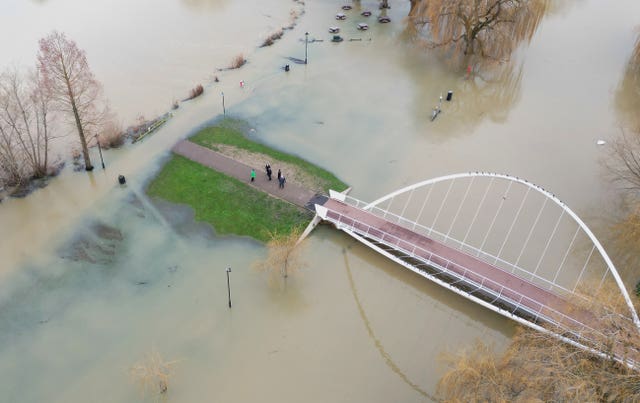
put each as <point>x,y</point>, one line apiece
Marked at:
<point>268,168</point>
<point>282,180</point>
<point>279,175</point>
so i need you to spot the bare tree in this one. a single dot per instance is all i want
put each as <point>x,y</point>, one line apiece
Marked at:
<point>153,374</point>
<point>485,29</point>
<point>625,160</point>
<point>283,256</point>
<point>71,84</point>
<point>25,130</point>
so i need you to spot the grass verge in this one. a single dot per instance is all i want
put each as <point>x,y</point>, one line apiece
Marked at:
<point>230,132</point>
<point>231,206</point>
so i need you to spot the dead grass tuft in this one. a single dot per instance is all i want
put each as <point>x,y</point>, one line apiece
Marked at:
<point>538,367</point>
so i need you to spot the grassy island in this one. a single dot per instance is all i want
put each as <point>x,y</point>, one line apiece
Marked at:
<point>230,205</point>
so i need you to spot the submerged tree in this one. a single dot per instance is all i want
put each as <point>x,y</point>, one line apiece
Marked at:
<point>153,374</point>
<point>25,126</point>
<point>283,256</point>
<point>481,29</point>
<point>71,84</point>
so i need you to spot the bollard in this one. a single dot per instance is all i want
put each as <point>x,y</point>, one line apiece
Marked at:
<point>121,179</point>
<point>449,95</point>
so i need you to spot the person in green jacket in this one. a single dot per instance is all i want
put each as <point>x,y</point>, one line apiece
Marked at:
<point>253,174</point>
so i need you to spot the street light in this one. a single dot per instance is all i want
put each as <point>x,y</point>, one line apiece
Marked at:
<point>228,285</point>
<point>100,151</point>
<point>306,41</point>
<point>224,112</point>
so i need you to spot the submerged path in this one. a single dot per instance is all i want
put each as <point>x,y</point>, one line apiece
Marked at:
<point>292,193</point>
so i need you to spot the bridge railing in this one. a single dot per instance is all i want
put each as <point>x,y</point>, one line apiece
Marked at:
<point>535,309</point>
<point>464,247</point>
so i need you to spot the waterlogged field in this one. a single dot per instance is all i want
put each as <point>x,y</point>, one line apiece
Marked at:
<point>95,276</point>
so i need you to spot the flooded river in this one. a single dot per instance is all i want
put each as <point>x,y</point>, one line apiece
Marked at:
<point>93,275</point>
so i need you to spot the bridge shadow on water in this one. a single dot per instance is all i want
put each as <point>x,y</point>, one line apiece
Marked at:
<point>457,307</point>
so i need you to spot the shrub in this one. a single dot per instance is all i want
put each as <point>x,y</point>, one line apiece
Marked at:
<point>196,91</point>
<point>238,61</point>
<point>112,135</point>
<point>270,40</point>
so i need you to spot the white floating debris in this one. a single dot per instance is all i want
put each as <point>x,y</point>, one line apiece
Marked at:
<point>362,26</point>
<point>340,16</point>
<point>601,142</point>
<point>334,30</point>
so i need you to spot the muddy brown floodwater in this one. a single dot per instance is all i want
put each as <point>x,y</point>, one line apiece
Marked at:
<point>94,276</point>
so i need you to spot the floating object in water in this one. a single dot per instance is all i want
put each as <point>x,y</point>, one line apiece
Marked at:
<point>366,13</point>
<point>121,179</point>
<point>286,67</point>
<point>241,83</point>
<point>346,7</point>
<point>336,38</point>
<point>384,19</point>
<point>449,95</point>
<point>362,26</point>
<point>601,142</point>
<point>340,16</point>
<point>334,30</point>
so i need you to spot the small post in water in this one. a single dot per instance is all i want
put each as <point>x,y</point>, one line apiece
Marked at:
<point>229,285</point>
<point>306,42</point>
<point>224,112</point>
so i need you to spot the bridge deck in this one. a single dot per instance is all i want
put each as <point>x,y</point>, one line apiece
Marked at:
<point>511,287</point>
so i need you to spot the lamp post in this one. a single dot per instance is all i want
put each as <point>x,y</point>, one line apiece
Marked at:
<point>224,112</point>
<point>229,285</point>
<point>100,151</point>
<point>306,41</point>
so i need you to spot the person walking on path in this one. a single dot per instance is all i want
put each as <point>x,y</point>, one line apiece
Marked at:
<point>253,174</point>
<point>279,175</point>
<point>268,168</point>
<point>282,180</point>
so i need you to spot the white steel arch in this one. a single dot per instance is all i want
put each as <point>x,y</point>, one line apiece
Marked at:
<point>550,196</point>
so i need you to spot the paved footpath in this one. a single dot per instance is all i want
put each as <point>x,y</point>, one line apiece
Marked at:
<point>292,193</point>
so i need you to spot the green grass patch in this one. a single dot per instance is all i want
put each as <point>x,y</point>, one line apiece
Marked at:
<point>230,205</point>
<point>230,132</point>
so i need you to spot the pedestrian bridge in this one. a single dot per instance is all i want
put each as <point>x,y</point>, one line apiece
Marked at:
<point>504,243</point>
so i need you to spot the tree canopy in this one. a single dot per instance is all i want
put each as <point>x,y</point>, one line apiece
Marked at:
<point>484,29</point>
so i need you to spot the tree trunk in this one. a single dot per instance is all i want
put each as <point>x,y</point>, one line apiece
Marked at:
<point>83,140</point>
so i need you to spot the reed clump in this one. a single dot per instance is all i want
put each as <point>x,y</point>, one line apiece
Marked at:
<point>537,366</point>
<point>196,92</point>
